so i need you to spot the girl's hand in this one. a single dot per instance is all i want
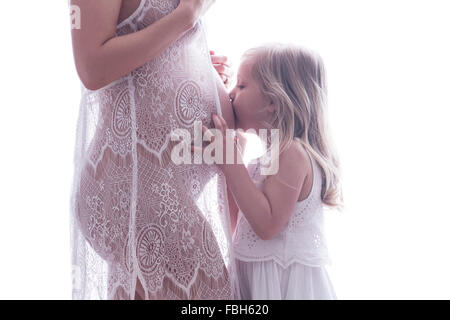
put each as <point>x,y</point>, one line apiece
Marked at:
<point>215,150</point>
<point>195,9</point>
<point>222,67</point>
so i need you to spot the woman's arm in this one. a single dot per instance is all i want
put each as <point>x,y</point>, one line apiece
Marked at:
<point>101,57</point>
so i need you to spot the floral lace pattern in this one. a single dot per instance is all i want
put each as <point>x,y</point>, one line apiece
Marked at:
<point>302,240</point>
<point>136,216</point>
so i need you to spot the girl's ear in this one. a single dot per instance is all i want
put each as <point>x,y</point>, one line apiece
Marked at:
<point>271,107</point>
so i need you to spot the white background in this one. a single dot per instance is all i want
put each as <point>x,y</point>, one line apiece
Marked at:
<point>388,66</point>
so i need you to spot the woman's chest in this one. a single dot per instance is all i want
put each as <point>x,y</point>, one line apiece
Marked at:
<point>147,11</point>
<point>128,8</point>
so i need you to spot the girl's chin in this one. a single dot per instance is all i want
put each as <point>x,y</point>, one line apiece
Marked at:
<point>246,125</point>
<point>241,125</point>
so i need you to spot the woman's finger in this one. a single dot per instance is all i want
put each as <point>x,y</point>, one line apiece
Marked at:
<point>220,68</point>
<point>222,64</point>
<point>219,59</point>
<point>223,69</point>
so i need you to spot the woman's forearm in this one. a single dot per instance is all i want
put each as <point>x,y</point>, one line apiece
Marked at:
<point>119,56</point>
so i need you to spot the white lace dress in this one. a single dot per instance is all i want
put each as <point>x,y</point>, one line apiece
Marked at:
<point>140,223</point>
<point>293,264</point>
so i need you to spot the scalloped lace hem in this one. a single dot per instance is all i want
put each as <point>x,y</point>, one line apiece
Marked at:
<point>284,264</point>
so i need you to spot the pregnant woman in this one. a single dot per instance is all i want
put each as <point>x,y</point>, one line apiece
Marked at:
<point>141,226</point>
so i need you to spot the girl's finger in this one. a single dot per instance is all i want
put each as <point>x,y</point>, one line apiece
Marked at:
<point>240,133</point>
<point>196,149</point>
<point>217,122</point>
<point>207,133</point>
<point>223,122</point>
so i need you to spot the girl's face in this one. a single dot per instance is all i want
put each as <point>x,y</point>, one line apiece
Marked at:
<point>251,108</point>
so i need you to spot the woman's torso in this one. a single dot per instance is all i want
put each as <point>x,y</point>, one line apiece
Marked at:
<point>181,234</point>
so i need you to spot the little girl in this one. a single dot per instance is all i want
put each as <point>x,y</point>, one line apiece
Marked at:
<point>279,238</point>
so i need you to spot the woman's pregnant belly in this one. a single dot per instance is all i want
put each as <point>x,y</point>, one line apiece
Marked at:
<point>225,104</point>
<point>103,201</point>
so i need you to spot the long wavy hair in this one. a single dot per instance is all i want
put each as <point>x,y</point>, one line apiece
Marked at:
<point>294,80</point>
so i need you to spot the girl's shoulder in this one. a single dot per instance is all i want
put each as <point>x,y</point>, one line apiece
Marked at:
<point>296,157</point>
<point>294,165</point>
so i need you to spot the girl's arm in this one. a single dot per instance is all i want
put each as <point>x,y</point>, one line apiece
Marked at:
<point>269,211</point>
<point>234,209</point>
<point>101,57</point>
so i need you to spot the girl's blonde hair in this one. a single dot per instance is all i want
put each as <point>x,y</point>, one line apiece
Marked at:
<point>294,80</point>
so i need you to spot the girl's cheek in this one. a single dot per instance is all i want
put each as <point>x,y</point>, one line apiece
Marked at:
<point>240,112</point>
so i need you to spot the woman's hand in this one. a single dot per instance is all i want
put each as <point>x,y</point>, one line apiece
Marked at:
<point>195,9</point>
<point>222,67</point>
<point>222,147</point>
